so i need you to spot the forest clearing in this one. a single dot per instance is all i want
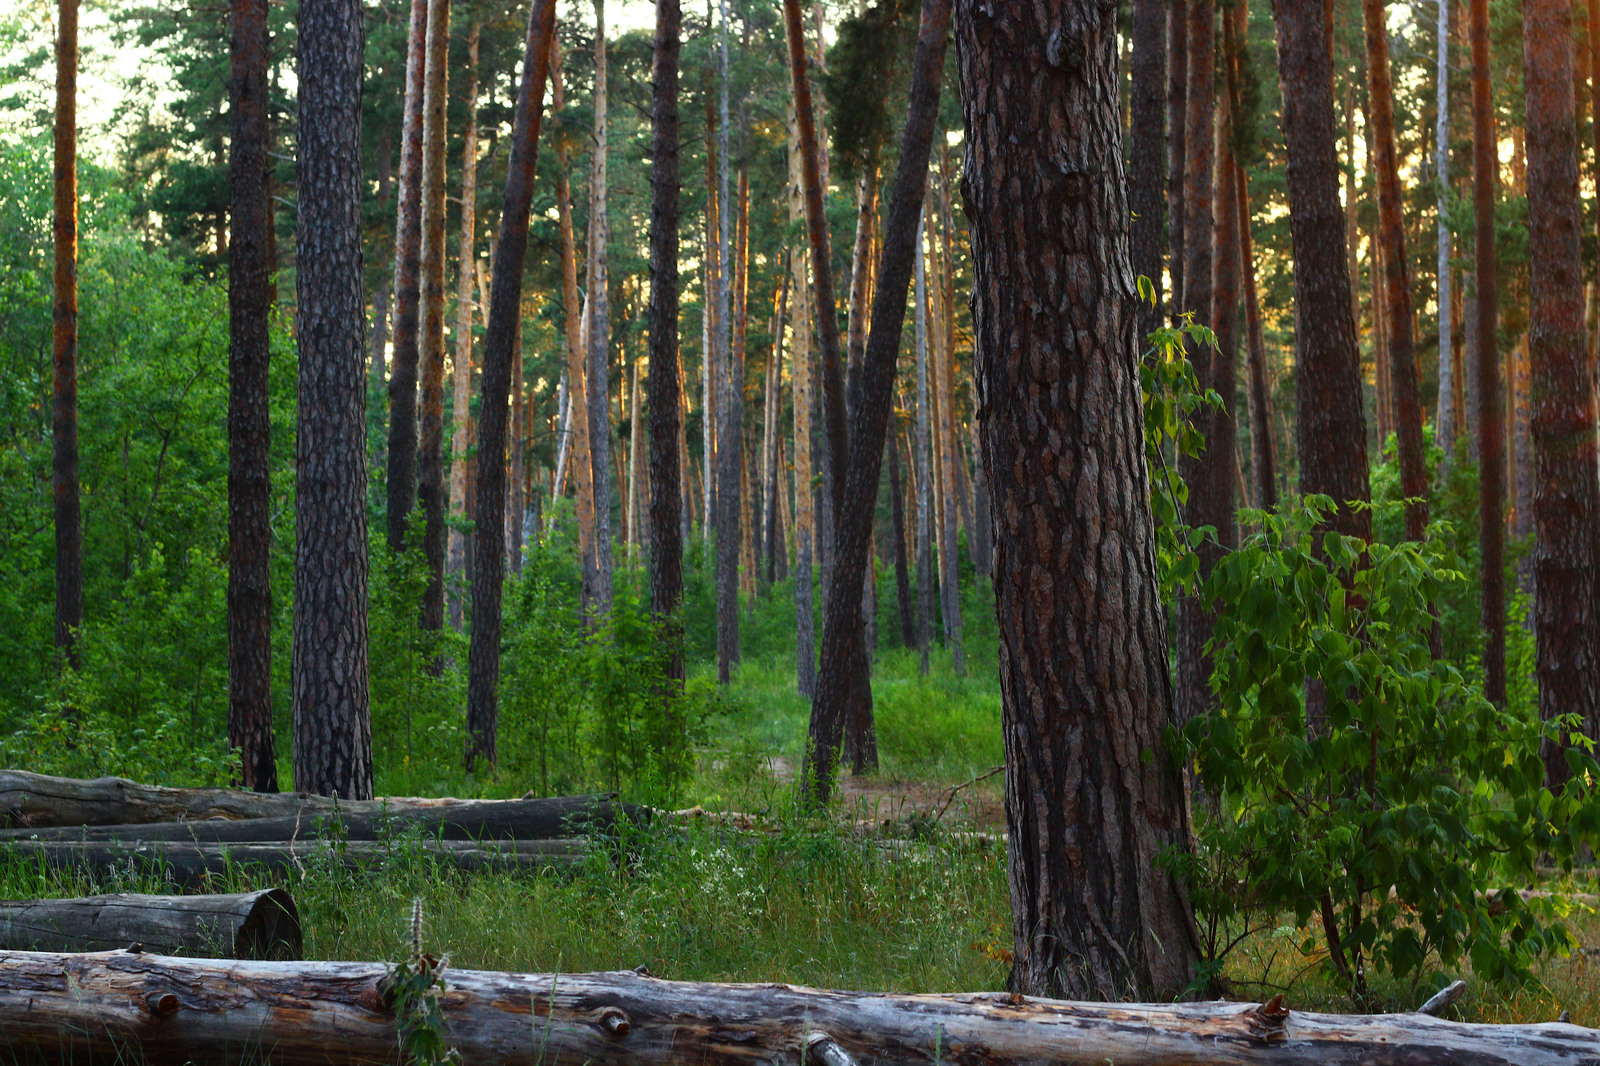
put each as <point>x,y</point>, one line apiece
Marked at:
<point>546,531</point>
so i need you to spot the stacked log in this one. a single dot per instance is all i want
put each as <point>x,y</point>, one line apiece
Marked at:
<point>247,925</point>
<point>100,1006</point>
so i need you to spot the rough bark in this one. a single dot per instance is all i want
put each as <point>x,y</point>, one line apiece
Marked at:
<point>248,925</point>
<point>401,483</point>
<point>801,368</point>
<point>1147,199</point>
<point>666,418</point>
<point>597,330</point>
<point>430,463</point>
<point>199,1011</point>
<point>332,732</point>
<point>1566,502</point>
<point>466,266</point>
<point>1402,363</point>
<point>1091,799</point>
<point>1491,404</point>
<point>249,416</point>
<point>505,300</point>
<point>842,709</point>
<point>1331,433</point>
<point>64,380</point>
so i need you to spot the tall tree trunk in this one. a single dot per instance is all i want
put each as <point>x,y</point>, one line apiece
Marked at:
<point>1402,369</point>
<point>1177,146</point>
<point>922,463</point>
<point>1491,407</point>
<point>401,494</point>
<point>730,453</point>
<point>377,361</point>
<point>944,428</point>
<point>430,464</point>
<point>1445,422</point>
<point>801,367</point>
<point>1083,671</point>
<point>579,461</point>
<point>466,266</point>
<point>842,709</point>
<point>711,354</point>
<point>666,422</point>
<point>635,460</point>
<point>64,382</point>
<point>860,277</point>
<point>1592,10</point>
<point>902,571</point>
<point>505,301</point>
<point>516,456</point>
<point>1331,423</point>
<point>771,434</point>
<point>249,416</point>
<point>1147,172</point>
<point>332,731</point>
<point>597,339</point>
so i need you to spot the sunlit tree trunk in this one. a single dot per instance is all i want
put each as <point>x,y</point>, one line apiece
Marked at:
<point>1445,425</point>
<point>466,265</point>
<point>922,460</point>
<point>505,300</point>
<point>597,338</point>
<point>771,469</point>
<point>64,382</point>
<point>944,428</point>
<point>332,732</point>
<point>401,494</point>
<point>249,414</point>
<point>801,367</point>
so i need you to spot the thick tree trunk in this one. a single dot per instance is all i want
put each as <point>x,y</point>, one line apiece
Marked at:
<point>332,733</point>
<point>203,1012</point>
<point>597,331</point>
<point>1090,798</point>
<point>1331,421</point>
<point>1491,408</point>
<point>466,266</point>
<point>249,925</point>
<point>249,416</point>
<point>801,367</point>
<point>401,486</point>
<point>1402,363</point>
<point>842,709</point>
<point>1147,177</point>
<point>922,461</point>
<point>1566,502</point>
<point>64,381</point>
<point>430,464</point>
<point>666,417</point>
<point>505,301</point>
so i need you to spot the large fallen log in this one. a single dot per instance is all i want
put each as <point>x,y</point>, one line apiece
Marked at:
<point>32,803</point>
<point>182,1011</point>
<point>247,925</point>
<point>189,865</point>
<point>524,819</point>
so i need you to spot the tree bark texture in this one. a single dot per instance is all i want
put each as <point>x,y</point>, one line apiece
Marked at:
<point>802,366</point>
<point>1486,327</point>
<point>203,1012</point>
<point>597,332</point>
<point>1147,199</point>
<point>430,464</point>
<point>249,416</point>
<point>505,302</point>
<point>466,267</point>
<point>248,925</point>
<point>666,415</point>
<point>1177,141</point>
<point>401,495</point>
<point>64,379</point>
<point>1091,797</point>
<point>332,732</point>
<point>1331,434</point>
<point>1446,426</point>
<point>1402,364</point>
<point>1566,501</point>
<point>844,683</point>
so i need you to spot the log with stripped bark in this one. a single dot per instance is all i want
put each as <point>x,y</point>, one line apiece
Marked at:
<point>191,865</point>
<point>245,925</point>
<point>182,1011</point>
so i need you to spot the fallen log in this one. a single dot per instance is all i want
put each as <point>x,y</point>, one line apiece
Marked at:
<point>190,865</point>
<point>520,819</point>
<point>321,1013</point>
<point>32,802</point>
<point>247,925</point>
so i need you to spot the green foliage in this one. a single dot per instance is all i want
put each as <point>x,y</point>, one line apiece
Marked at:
<point>1401,815</point>
<point>859,77</point>
<point>414,987</point>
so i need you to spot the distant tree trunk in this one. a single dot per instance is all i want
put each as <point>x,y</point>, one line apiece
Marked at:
<point>249,416</point>
<point>801,366</point>
<point>1083,671</point>
<point>1593,40</point>
<point>860,277</point>
<point>902,571</point>
<point>1445,425</point>
<point>842,709</point>
<point>377,362</point>
<point>1330,422</point>
<point>1491,407</point>
<point>466,266</point>
<point>944,428</point>
<point>730,455</point>
<point>1402,369</point>
<point>772,434</point>
<point>1566,503</point>
<point>430,465</point>
<point>921,464</point>
<point>1147,170</point>
<point>402,471</point>
<point>666,502</point>
<point>712,275</point>
<point>332,732</point>
<point>1177,146</point>
<point>516,457</point>
<point>597,337</point>
<point>635,458</point>
<point>1470,366</point>
<point>64,383</point>
<point>505,301</point>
